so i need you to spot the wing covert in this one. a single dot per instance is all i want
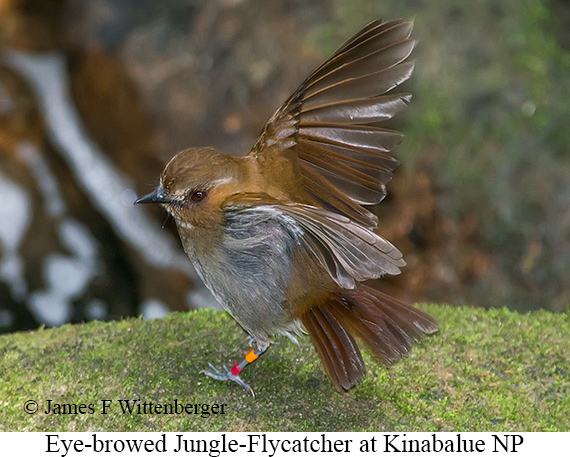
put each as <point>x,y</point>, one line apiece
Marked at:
<point>349,252</point>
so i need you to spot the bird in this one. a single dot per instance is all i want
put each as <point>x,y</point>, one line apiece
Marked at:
<point>281,235</point>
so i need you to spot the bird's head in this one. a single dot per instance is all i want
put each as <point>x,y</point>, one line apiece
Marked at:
<point>193,186</point>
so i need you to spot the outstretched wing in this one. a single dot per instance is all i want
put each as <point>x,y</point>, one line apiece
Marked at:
<point>348,251</point>
<point>329,124</point>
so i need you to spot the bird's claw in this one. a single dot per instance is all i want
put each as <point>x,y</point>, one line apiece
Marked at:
<point>227,376</point>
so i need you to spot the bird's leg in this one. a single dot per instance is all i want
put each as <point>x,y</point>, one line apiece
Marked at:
<point>233,374</point>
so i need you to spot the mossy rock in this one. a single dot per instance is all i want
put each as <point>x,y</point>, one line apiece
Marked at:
<point>486,370</point>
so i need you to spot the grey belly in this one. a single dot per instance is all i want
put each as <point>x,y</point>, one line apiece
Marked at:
<point>249,274</point>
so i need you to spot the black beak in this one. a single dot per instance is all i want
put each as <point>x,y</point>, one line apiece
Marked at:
<point>156,196</point>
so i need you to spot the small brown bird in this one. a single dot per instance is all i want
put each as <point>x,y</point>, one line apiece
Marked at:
<point>280,237</point>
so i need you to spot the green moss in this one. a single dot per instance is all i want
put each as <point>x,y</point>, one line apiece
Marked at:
<point>485,370</point>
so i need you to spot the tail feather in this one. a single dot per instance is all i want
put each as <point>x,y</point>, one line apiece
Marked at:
<point>415,322</point>
<point>338,351</point>
<point>372,328</point>
<point>387,326</point>
<point>343,340</point>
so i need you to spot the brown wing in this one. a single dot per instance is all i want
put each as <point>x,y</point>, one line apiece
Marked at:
<point>326,126</point>
<point>348,251</point>
<point>357,253</point>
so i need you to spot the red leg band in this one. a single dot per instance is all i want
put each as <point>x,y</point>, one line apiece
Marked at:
<point>236,370</point>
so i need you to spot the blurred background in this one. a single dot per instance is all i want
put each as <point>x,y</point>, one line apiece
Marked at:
<point>96,95</point>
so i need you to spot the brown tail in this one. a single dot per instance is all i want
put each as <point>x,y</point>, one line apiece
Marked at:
<point>386,325</point>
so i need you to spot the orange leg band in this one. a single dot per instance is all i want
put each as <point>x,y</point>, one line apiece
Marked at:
<point>251,356</point>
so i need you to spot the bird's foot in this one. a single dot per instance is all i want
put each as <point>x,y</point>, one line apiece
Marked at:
<point>227,376</point>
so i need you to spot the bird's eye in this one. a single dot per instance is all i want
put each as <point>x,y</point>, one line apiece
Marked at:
<point>198,196</point>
